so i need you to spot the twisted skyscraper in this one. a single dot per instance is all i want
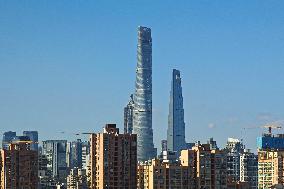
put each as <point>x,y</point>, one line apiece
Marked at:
<point>142,118</point>
<point>176,125</point>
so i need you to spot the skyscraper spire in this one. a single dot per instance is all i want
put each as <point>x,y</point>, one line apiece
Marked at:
<point>176,125</point>
<point>142,118</point>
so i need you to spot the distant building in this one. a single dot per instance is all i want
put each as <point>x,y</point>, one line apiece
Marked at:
<point>164,145</point>
<point>33,135</point>
<point>19,166</point>
<point>213,144</point>
<point>7,138</point>
<point>85,154</point>
<point>249,169</point>
<point>157,173</point>
<point>234,145</point>
<point>45,179</point>
<point>128,116</point>
<point>113,159</point>
<point>241,165</point>
<point>55,151</point>
<point>234,149</point>
<point>74,154</point>
<point>208,167</point>
<point>168,156</point>
<point>176,126</point>
<point>189,145</point>
<point>270,168</point>
<point>270,142</point>
<point>77,179</point>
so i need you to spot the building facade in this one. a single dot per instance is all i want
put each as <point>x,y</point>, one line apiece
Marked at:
<point>55,152</point>
<point>74,154</point>
<point>85,154</point>
<point>271,142</point>
<point>19,166</point>
<point>142,117</point>
<point>33,135</point>
<point>77,179</point>
<point>162,174</point>
<point>7,138</point>
<point>113,159</point>
<point>270,168</point>
<point>128,116</point>
<point>249,169</point>
<point>208,168</point>
<point>176,126</point>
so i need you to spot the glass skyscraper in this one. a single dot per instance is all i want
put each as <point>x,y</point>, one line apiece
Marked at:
<point>142,118</point>
<point>33,135</point>
<point>55,151</point>
<point>7,138</point>
<point>128,116</point>
<point>176,125</point>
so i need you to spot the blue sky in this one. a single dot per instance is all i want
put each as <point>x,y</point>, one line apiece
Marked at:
<point>70,65</point>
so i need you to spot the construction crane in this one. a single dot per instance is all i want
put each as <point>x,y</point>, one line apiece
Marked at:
<point>269,126</point>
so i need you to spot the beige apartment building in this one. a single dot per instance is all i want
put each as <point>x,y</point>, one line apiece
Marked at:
<point>113,159</point>
<point>19,167</point>
<point>199,167</point>
<point>160,174</point>
<point>207,167</point>
<point>270,168</point>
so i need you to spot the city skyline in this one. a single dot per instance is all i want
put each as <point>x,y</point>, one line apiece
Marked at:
<point>59,72</point>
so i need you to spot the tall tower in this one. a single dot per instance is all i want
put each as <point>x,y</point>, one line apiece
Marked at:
<point>176,125</point>
<point>142,118</point>
<point>128,116</point>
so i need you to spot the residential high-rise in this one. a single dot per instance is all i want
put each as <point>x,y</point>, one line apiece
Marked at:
<point>157,173</point>
<point>113,159</point>
<point>270,160</point>
<point>176,125</point>
<point>55,151</point>
<point>234,149</point>
<point>270,168</point>
<point>77,179</point>
<point>241,164</point>
<point>208,166</point>
<point>249,168</point>
<point>128,116</point>
<point>33,135</point>
<point>142,118</point>
<point>19,166</point>
<point>7,138</point>
<point>85,154</point>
